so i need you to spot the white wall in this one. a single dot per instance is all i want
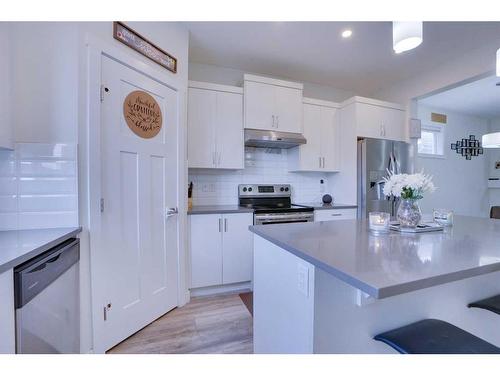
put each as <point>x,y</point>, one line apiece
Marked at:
<point>494,156</point>
<point>261,167</point>
<point>5,87</point>
<point>461,184</point>
<point>44,81</point>
<point>234,77</point>
<point>48,65</point>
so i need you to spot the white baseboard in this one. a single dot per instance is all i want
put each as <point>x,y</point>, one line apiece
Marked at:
<point>222,289</point>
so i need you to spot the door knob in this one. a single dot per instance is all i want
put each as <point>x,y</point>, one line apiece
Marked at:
<point>171,212</point>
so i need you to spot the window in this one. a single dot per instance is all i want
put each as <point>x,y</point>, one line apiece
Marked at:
<point>431,141</point>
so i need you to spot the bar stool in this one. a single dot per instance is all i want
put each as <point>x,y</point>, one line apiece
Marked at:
<point>491,304</point>
<point>433,336</point>
<point>495,212</point>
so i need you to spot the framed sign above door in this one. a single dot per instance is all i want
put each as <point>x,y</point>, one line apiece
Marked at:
<point>134,40</point>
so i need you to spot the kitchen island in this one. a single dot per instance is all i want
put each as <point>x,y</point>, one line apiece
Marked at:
<point>329,287</point>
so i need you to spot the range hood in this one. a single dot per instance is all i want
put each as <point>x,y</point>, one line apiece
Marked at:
<point>273,139</point>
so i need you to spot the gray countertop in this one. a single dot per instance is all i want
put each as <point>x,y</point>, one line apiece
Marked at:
<point>322,206</point>
<point>390,264</point>
<point>218,209</point>
<point>18,246</point>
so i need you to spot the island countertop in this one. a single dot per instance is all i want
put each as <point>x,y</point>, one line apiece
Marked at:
<point>18,246</point>
<point>389,264</point>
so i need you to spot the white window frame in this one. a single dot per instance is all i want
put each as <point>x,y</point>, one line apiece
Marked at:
<point>440,141</point>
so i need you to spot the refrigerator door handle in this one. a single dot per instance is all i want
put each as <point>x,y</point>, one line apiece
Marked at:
<point>395,161</point>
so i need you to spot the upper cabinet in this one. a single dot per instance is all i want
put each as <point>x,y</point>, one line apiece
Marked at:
<point>272,104</point>
<point>215,126</point>
<point>375,118</point>
<point>321,125</point>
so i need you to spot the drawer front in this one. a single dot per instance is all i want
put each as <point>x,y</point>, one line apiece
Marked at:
<point>336,214</point>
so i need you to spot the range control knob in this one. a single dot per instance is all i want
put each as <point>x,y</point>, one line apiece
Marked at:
<point>244,189</point>
<point>250,189</point>
<point>286,189</point>
<point>282,189</point>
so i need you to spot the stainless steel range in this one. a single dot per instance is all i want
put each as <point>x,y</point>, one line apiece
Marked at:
<point>272,204</point>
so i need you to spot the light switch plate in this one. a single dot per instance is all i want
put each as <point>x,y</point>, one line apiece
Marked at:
<point>415,128</point>
<point>303,279</point>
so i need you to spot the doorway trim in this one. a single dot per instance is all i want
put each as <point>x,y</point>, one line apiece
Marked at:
<point>90,165</point>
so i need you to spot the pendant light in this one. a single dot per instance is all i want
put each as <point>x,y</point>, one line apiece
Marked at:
<point>406,35</point>
<point>491,140</point>
<point>498,62</point>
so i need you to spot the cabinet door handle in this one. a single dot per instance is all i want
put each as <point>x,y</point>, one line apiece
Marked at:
<point>273,122</point>
<point>319,161</point>
<point>225,225</point>
<point>336,215</point>
<point>220,225</point>
<point>218,159</point>
<point>213,158</point>
<point>277,121</point>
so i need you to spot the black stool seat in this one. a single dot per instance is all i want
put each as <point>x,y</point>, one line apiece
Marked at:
<point>432,336</point>
<point>492,304</point>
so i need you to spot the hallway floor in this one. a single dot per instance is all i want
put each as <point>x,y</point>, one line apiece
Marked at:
<point>210,325</point>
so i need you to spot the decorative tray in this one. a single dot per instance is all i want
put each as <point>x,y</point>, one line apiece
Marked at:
<point>422,227</point>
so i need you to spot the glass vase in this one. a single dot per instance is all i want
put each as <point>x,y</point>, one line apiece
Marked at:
<point>409,214</point>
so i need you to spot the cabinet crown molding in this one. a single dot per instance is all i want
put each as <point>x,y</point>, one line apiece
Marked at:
<point>215,87</point>
<point>273,81</point>
<point>380,103</point>
<point>320,102</point>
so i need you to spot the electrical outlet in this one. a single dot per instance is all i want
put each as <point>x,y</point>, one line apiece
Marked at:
<point>303,279</point>
<point>208,188</point>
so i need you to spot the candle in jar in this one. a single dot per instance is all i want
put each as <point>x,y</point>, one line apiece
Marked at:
<point>379,221</point>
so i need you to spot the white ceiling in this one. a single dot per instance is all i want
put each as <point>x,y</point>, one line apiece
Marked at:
<point>479,98</point>
<point>315,52</point>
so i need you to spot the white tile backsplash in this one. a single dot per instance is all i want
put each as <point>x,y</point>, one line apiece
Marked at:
<point>38,186</point>
<point>262,166</point>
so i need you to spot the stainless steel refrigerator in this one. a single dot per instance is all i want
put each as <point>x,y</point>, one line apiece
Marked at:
<point>376,157</point>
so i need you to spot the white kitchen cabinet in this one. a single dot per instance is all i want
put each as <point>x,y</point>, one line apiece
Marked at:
<point>221,249</point>
<point>376,119</point>
<point>321,125</point>
<point>272,104</point>
<point>215,126</point>
<point>237,248</point>
<point>206,250</point>
<point>7,322</point>
<point>335,214</point>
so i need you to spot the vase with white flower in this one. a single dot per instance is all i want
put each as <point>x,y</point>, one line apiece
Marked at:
<point>411,188</point>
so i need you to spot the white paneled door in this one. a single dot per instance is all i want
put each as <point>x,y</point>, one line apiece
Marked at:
<point>138,262</point>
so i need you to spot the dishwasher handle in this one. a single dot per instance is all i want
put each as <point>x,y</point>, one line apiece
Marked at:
<point>32,277</point>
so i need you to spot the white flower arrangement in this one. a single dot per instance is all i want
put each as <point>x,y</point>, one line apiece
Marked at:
<point>408,186</point>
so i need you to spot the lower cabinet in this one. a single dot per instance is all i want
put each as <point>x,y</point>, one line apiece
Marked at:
<point>7,323</point>
<point>221,249</point>
<point>335,214</point>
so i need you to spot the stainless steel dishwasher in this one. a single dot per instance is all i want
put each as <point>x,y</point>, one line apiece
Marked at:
<point>48,301</point>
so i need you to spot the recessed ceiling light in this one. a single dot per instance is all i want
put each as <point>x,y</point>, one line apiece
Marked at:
<point>346,33</point>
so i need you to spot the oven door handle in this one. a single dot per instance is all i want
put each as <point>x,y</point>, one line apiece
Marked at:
<point>281,217</point>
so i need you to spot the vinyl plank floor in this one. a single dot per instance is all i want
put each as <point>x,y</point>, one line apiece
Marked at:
<point>210,325</point>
